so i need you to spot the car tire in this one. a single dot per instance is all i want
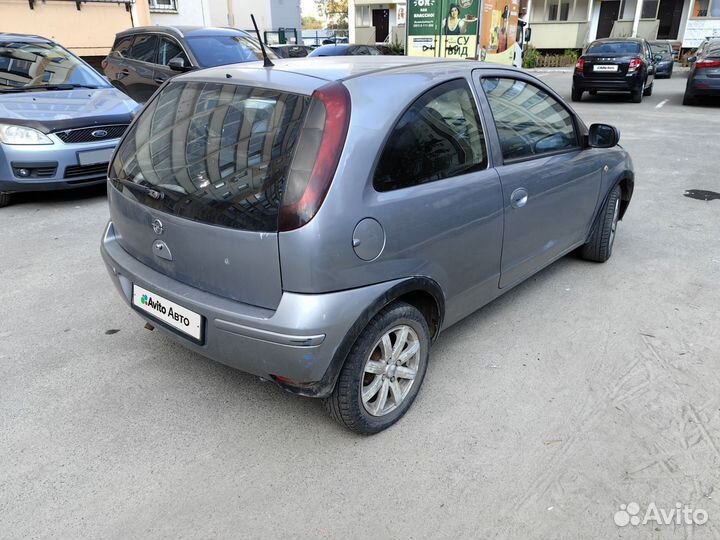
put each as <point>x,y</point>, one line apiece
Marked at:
<point>637,95</point>
<point>576,94</point>
<point>4,199</point>
<point>600,245</point>
<point>649,90</point>
<point>374,364</point>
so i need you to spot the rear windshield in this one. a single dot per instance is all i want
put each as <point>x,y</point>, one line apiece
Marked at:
<point>211,152</point>
<point>662,47</point>
<point>213,51</point>
<point>614,47</point>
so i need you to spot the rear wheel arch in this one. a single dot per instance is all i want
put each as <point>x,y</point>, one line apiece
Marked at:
<point>419,291</point>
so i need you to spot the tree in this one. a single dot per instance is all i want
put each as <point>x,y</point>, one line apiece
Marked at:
<point>336,12</point>
<point>311,23</point>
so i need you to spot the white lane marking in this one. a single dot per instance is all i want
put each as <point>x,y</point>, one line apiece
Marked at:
<point>663,102</point>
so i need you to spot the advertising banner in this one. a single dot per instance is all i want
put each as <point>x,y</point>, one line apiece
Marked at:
<point>453,29</point>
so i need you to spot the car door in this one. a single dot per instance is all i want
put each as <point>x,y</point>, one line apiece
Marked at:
<point>651,63</point>
<point>139,71</point>
<point>168,49</point>
<point>435,184</point>
<point>550,183</point>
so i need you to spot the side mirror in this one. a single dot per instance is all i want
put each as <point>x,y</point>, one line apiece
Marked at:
<point>528,34</point>
<point>658,57</point>
<point>692,59</point>
<point>603,136</point>
<point>178,64</point>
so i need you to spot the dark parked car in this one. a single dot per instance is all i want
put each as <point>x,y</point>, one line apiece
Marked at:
<point>295,223</point>
<point>704,76</point>
<point>663,54</point>
<point>60,120</point>
<point>291,51</point>
<point>143,58</point>
<point>345,50</point>
<point>615,65</point>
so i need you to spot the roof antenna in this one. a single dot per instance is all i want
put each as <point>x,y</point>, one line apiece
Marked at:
<point>268,62</point>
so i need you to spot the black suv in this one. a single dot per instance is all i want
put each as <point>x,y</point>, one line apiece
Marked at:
<point>143,58</point>
<point>615,65</point>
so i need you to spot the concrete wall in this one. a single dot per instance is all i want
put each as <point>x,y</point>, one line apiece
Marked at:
<point>189,12</point>
<point>269,14</point>
<point>559,35</point>
<point>88,32</point>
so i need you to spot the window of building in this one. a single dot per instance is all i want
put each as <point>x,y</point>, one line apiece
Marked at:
<point>558,10</point>
<point>649,9</point>
<point>163,5</point>
<point>529,121</point>
<point>706,8</point>
<point>363,16</point>
<point>438,137</point>
<point>627,11</point>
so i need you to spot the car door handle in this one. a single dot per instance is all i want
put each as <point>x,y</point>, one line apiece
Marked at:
<point>124,72</point>
<point>519,198</point>
<point>160,80</point>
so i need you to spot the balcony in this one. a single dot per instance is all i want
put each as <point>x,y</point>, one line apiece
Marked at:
<point>559,34</point>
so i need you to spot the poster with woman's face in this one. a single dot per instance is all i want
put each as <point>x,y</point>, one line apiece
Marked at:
<point>443,28</point>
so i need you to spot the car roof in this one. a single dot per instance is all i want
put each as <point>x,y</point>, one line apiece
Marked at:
<point>615,40</point>
<point>183,31</point>
<point>25,38</point>
<point>339,68</point>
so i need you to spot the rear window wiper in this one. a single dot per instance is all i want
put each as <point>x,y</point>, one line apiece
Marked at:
<point>150,192</point>
<point>47,87</point>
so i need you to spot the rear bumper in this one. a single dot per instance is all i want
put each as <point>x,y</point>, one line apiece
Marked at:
<point>623,83</point>
<point>298,345</point>
<point>704,86</point>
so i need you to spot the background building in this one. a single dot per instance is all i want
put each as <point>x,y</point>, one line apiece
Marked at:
<point>375,21</point>
<point>87,28</point>
<point>572,24</point>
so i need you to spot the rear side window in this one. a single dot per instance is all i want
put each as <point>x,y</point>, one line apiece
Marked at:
<point>615,47</point>
<point>122,46</point>
<point>529,121</point>
<point>215,153</point>
<point>144,48</point>
<point>439,136</point>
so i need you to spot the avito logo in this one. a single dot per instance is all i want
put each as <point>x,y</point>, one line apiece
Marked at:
<point>144,299</point>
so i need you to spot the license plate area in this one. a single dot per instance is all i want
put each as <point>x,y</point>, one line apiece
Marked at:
<point>605,68</point>
<point>93,157</point>
<point>172,316</point>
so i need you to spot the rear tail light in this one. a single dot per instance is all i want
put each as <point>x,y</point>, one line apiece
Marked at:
<point>580,66</point>
<point>635,64</point>
<point>319,146</point>
<point>104,63</point>
<point>704,64</point>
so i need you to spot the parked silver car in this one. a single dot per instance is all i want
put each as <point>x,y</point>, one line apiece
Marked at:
<point>319,223</point>
<point>59,119</point>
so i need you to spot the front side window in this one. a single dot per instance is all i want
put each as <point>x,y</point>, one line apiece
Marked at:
<point>143,48</point>
<point>220,50</point>
<point>439,136</point>
<point>170,49</point>
<point>529,121</point>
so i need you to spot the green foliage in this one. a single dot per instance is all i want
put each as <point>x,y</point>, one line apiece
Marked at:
<point>532,57</point>
<point>396,47</point>
<point>571,55</point>
<point>311,23</point>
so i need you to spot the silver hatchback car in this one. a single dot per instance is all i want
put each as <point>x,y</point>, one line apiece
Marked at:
<point>318,223</point>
